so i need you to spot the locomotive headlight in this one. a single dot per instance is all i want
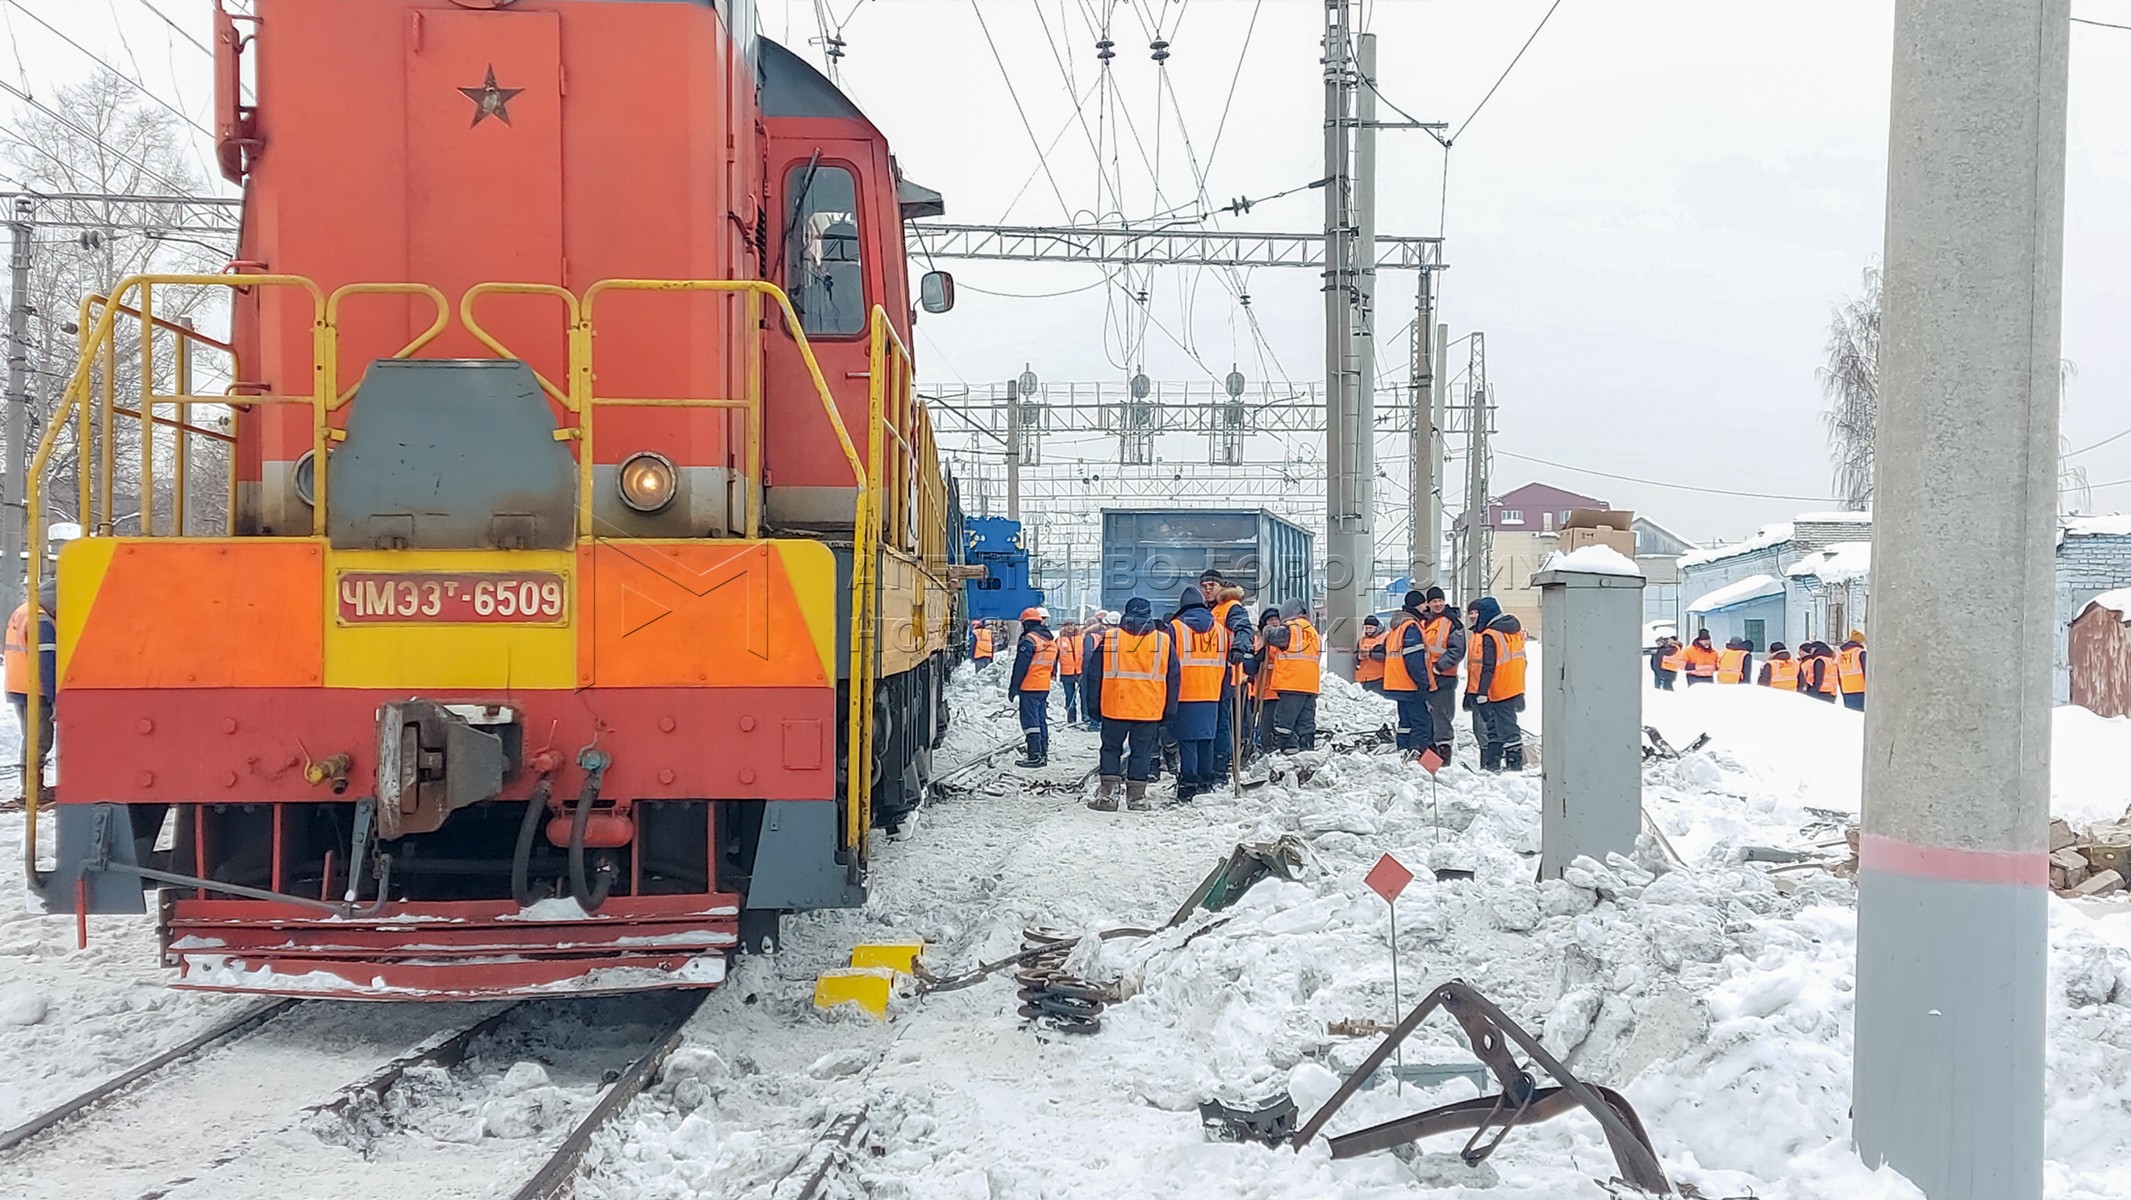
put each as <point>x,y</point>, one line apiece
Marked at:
<point>305,478</point>
<point>645,481</point>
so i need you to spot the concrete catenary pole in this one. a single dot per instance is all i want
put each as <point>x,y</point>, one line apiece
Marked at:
<point>1013,451</point>
<point>1438,421</point>
<point>1420,447</point>
<point>1361,413</point>
<point>1341,282</point>
<point>1952,936</point>
<point>1472,574</point>
<point>14,509</point>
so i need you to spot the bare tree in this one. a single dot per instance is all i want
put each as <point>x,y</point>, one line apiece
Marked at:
<point>1850,381</point>
<point>102,136</point>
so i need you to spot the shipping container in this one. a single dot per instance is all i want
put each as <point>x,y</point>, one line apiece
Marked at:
<point>1157,553</point>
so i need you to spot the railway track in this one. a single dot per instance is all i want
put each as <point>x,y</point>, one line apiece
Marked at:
<point>239,1112</point>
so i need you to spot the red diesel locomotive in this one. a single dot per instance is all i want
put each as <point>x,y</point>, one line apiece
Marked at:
<point>585,594</point>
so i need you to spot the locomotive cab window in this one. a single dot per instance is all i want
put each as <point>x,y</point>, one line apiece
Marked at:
<point>824,274</point>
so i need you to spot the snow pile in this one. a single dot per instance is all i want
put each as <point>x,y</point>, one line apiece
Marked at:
<point>2117,601</point>
<point>1764,538</point>
<point>1592,560</point>
<point>2088,783</point>
<point>2109,525</point>
<point>1717,995</point>
<point>1753,587</point>
<point>1839,563</point>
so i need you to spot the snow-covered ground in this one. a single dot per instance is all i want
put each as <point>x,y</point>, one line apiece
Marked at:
<point>1715,993</point>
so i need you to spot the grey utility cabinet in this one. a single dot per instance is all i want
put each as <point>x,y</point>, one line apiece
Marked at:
<point>1591,715</point>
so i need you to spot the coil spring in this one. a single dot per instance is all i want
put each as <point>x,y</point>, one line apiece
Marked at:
<point>1052,997</point>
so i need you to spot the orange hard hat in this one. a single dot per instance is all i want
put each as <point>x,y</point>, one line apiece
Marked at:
<point>1032,614</point>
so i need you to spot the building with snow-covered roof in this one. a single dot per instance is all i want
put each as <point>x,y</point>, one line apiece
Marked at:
<point>1772,551</point>
<point>2099,654</point>
<point>1827,592</point>
<point>1750,608</point>
<point>2093,558</point>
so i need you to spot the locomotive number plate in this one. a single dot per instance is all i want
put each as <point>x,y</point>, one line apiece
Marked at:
<point>452,598</point>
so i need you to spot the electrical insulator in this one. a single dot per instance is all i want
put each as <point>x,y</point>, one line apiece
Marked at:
<point>1161,50</point>
<point>1103,50</point>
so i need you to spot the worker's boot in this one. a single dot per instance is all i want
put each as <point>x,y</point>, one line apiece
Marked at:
<point>1105,798</point>
<point>1513,756</point>
<point>1442,751</point>
<point>1033,755</point>
<point>1186,790</point>
<point>1136,796</point>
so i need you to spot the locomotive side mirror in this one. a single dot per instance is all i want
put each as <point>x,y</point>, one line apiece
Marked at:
<point>936,292</point>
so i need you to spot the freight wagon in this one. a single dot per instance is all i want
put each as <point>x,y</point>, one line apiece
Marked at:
<point>1157,552</point>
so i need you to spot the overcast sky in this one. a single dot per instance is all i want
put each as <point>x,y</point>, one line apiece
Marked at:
<point>1650,220</point>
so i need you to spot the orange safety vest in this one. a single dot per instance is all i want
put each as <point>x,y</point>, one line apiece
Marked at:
<point>984,643</point>
<point>1698,660</point>
<point>1069,655</point>
<point>1731,666</point>
<point>1396,677</point>
<point>1135,674</point>
<point>1297,668</point>
<point>1508,682</point>
<point>1220,620</point>
<point>1672,661</point>
<point>1038,677</point>
<point>1850,669</point>
<point>1828,674</point>
<point>1366,666</point>
<point>1783,674</point>
<point>19,671</point>
<point>1202,658</point>
<point>1435,634</point>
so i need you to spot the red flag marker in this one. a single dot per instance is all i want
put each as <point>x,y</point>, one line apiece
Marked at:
<point>1388,878</point>
<point>1431,762</point>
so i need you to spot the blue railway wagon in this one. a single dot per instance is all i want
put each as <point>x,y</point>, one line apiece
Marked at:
<point>1157,552</point>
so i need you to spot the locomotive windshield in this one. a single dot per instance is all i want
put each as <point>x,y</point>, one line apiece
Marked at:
<point>821,258</point>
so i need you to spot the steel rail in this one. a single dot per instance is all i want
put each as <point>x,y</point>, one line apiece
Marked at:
<point>557,1176</point>
<point>243,1023</point>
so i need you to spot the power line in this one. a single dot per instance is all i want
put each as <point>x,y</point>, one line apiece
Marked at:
<point>176,28</point>
<point>2096,446</point>
<point>1007,77</point>
<point>1505,73</point>
<point>1659,483</point>
<point>2102,25</point>
<point>92,56</point>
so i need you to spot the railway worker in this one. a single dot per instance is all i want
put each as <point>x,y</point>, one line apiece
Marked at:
<point>1406,675</point>
<point>1850,670</point>
<point>1444,636</point>
<point>1137,677</point>
<point>1699,659</point>
<point>1665,662</point>
<point>1735,664</point>
<point>1494,684</point>
<point>1226,604</point>
<point>1090,709</point>
<point>1035,664</point>
<point>18,667</point>
<point>1780,671</point>
<point>1202,647</point>
<point>1369,655</point>
<point>1070,653</point>
<point>980,643</point>
<point>1258,670</point>
<point>1817,672</point>
<point>1296,655</point>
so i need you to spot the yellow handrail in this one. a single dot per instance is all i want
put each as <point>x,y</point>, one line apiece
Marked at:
<point>420,340</point>
<point>568,399</point>
<point>98,340</point>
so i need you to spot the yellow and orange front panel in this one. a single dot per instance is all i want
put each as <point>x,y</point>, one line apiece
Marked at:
<point>213,670</point>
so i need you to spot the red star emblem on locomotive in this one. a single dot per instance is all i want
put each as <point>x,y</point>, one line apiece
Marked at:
<point>490,100</point>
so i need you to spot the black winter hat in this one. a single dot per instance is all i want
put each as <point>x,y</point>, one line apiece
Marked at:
<point>1371,620</point>
<point>1138,607</point>
<point>1190,599</point>
<point>1209,575</point>
<point>1434,593</point>
<point>1415,599</point>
